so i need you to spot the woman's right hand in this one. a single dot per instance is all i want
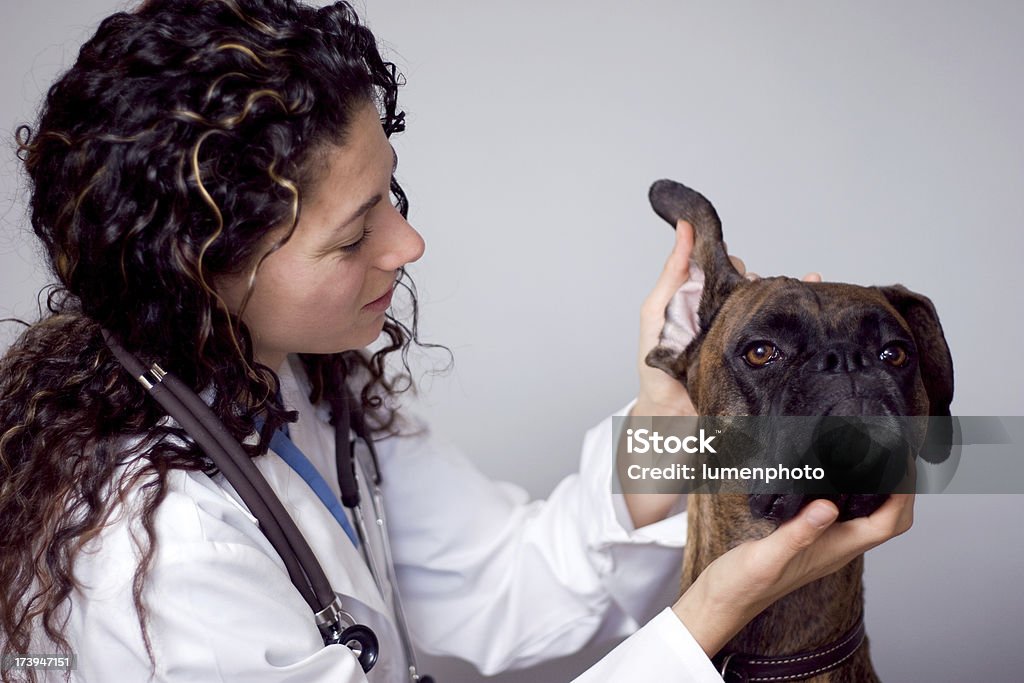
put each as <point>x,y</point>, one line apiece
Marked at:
<point>737,586</point>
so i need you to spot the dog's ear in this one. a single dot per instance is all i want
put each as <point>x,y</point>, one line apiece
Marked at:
<point>676,361</point>
<point>934,363</point>
<point>675,352</point>
<point>674,201</point>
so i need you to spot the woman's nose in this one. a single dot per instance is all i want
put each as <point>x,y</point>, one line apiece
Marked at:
<point>404,245</point>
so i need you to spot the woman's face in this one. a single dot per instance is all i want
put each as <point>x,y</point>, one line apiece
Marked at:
<point>327,288</point>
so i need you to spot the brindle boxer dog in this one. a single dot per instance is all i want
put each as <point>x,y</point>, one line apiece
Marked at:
<point>780,346</point>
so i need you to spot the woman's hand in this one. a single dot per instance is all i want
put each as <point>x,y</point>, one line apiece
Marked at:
<point>659,393</point>
<point>737,586</point>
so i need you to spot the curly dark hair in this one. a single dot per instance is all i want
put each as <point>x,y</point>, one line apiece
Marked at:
<point>185,131</point>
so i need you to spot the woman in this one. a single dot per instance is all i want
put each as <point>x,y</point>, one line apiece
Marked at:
<point>212,183</point>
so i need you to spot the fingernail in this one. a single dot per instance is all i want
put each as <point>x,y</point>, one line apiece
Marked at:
<point>820,514</point>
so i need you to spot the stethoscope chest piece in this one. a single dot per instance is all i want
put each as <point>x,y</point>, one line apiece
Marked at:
<point>362,641</point>
<point>357,637</point>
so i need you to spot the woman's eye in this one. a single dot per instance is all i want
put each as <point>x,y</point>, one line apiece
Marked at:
<point>894,354</point>
<point>760,354</point>
<point>349,248</point>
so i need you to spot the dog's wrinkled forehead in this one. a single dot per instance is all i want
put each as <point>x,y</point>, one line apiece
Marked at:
<point>781,305</point>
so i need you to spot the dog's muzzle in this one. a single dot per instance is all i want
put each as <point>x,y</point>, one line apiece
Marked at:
<point>864,459</point>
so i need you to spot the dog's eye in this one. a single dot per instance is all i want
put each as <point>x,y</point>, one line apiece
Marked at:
<point>760,354</point>
<point>894,354</point>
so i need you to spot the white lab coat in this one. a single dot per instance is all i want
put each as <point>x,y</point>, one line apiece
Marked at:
<point>485,574</point>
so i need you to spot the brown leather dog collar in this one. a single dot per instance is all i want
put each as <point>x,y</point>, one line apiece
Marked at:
<point>737,666</point>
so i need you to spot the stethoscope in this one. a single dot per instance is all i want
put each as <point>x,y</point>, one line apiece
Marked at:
<point>335,624</point>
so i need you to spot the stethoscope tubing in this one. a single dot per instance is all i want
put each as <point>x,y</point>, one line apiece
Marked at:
<point>377,503</point>
<point>209,433</point>
<point>340,415</point>
<point>389,564</point>
<point>348,483</point>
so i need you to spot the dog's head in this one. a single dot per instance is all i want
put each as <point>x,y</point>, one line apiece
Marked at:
<point>780,346</point>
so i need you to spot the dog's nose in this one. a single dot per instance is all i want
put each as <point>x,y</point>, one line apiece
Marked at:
<point>840,359</point>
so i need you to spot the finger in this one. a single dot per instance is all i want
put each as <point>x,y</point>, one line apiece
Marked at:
<point>891,519</point>
<point>906,519</point>
<point>812,277</point>
<point>677,267</point>
<point>752,276</point>
<point>894,517</point>
<point>684,241</point>
<point>800,532</point>
<point>738,264</point>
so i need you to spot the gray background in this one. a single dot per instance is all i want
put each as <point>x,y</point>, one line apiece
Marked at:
<point>874,142</point>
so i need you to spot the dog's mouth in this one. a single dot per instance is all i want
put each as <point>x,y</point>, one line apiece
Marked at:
<point>785,506</point>
<point>863,459</point>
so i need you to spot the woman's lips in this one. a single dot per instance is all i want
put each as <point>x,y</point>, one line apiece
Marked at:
<point>381,304</point>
